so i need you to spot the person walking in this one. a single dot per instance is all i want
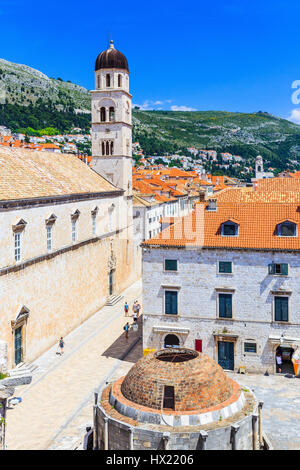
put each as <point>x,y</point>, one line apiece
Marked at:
<point>138,308</point>
<point>126,328</point>
<point>134,307</point>
<point>61,345</point>
<point>126,309</point>
<point>279,361</point>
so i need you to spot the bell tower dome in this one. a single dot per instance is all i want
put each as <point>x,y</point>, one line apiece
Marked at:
<point>111,119</point>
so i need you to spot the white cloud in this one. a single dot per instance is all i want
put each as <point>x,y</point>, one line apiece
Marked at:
<point>148,105</point>
<point>295,116</point>
<point>182,108</point>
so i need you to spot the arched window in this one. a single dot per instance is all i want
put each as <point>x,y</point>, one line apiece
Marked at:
<point>102,114</point>
<point>108,80</point>
<point>103,148</point>
<point>98,79</point>
<point>111,113</point>
<point>107,148</point>
<point>111,148</point>
<point>171,341</point>
<point>119,80</point>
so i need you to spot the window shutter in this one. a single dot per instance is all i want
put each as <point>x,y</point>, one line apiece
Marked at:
<point>174,303</point>
<point>284,309</point>
<point>221,306</point>
<point>171,302</point>
<point>171,265</point>
<point>284,269</point>
<point>168,302</point>
<point>272,268</point>
<point>228,307</point>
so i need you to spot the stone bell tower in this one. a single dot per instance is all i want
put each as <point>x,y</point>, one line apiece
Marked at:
<point>111,119</point>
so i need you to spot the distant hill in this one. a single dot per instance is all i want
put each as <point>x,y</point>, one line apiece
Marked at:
<point>31,99</point>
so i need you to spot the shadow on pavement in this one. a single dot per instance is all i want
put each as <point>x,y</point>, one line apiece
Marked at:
<point>131,349</point>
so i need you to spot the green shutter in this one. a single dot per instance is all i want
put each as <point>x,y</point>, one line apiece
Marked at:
<point>225,267</point>
<point>171,264</point>
<point>171,302</point>
<point>284,269</point>
<point>281,308</point>
<point>225,305</point>
<point>272,268</point>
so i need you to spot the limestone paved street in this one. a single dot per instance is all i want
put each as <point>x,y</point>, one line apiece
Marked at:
<point>281,411</point>
<point>58,404</point>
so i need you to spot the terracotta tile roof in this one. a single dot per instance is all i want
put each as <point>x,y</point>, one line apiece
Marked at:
<point>28,174</point>
<point>280,190</point>
<point>257,227</point>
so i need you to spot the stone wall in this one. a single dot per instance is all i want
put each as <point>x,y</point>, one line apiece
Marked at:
<point>121,436</point>
<point>61,288</point>
<point>198,283</point>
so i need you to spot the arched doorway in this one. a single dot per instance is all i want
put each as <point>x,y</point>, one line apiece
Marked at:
<point>171,341</point>
<point>286,354</point>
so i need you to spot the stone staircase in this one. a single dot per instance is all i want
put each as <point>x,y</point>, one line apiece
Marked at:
<point>113,300</point>
<point>28,368</point>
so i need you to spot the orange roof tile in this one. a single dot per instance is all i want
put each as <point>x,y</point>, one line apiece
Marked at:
<point>257,227</point>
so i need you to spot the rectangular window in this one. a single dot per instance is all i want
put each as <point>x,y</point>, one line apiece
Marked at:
<point>171,302</point>
<point>49,238</point>
<point>17,246</point>
<point>281,269</point>
<point>225,305</point>
<point>169,399</point>
<point>74,230</point>
<point>225,267</point>
<point>250,347</point>
<point>170,264</point>
<point>94,224</point>
<point>281,308</point>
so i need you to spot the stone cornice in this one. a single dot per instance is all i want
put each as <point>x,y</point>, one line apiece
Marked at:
<point>110,123</point>
<point>112,90</point>
<point>13,204</point>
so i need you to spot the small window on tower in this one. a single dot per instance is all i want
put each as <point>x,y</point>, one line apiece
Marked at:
<point>102,114</point>
<point>111,113</point>
<point>103,148</point>
<point>108,80</point>
<point>119,80</point>
<point>107,148</point>
<point>111,148</point>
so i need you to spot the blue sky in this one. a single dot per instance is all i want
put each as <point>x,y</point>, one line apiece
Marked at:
<point>234,55</point>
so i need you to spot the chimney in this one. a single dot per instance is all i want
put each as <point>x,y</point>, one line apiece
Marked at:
<point>212,205</point>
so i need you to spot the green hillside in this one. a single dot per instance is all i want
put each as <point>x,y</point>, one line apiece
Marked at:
<point>28,98</point>
<point>247,135</point>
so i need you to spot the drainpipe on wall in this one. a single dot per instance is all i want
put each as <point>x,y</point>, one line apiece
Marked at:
<point>260,405</point>
<point>166,439</point>
<point>130,438</point>
<point>95,432</point>
<point>234,430</point>
<point>203,435</point>
<point>105,433</point>
<point>254,430</point>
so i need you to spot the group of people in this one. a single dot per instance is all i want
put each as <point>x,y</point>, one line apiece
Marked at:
<point>136,313</point>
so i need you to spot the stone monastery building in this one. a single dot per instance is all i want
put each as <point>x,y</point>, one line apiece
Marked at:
<point>66,229</point>
<point>225,279</point>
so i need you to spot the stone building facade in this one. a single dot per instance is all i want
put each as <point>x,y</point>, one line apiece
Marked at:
<point>63,252</point>
<point>235,297</point>
<point>66,240</point>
